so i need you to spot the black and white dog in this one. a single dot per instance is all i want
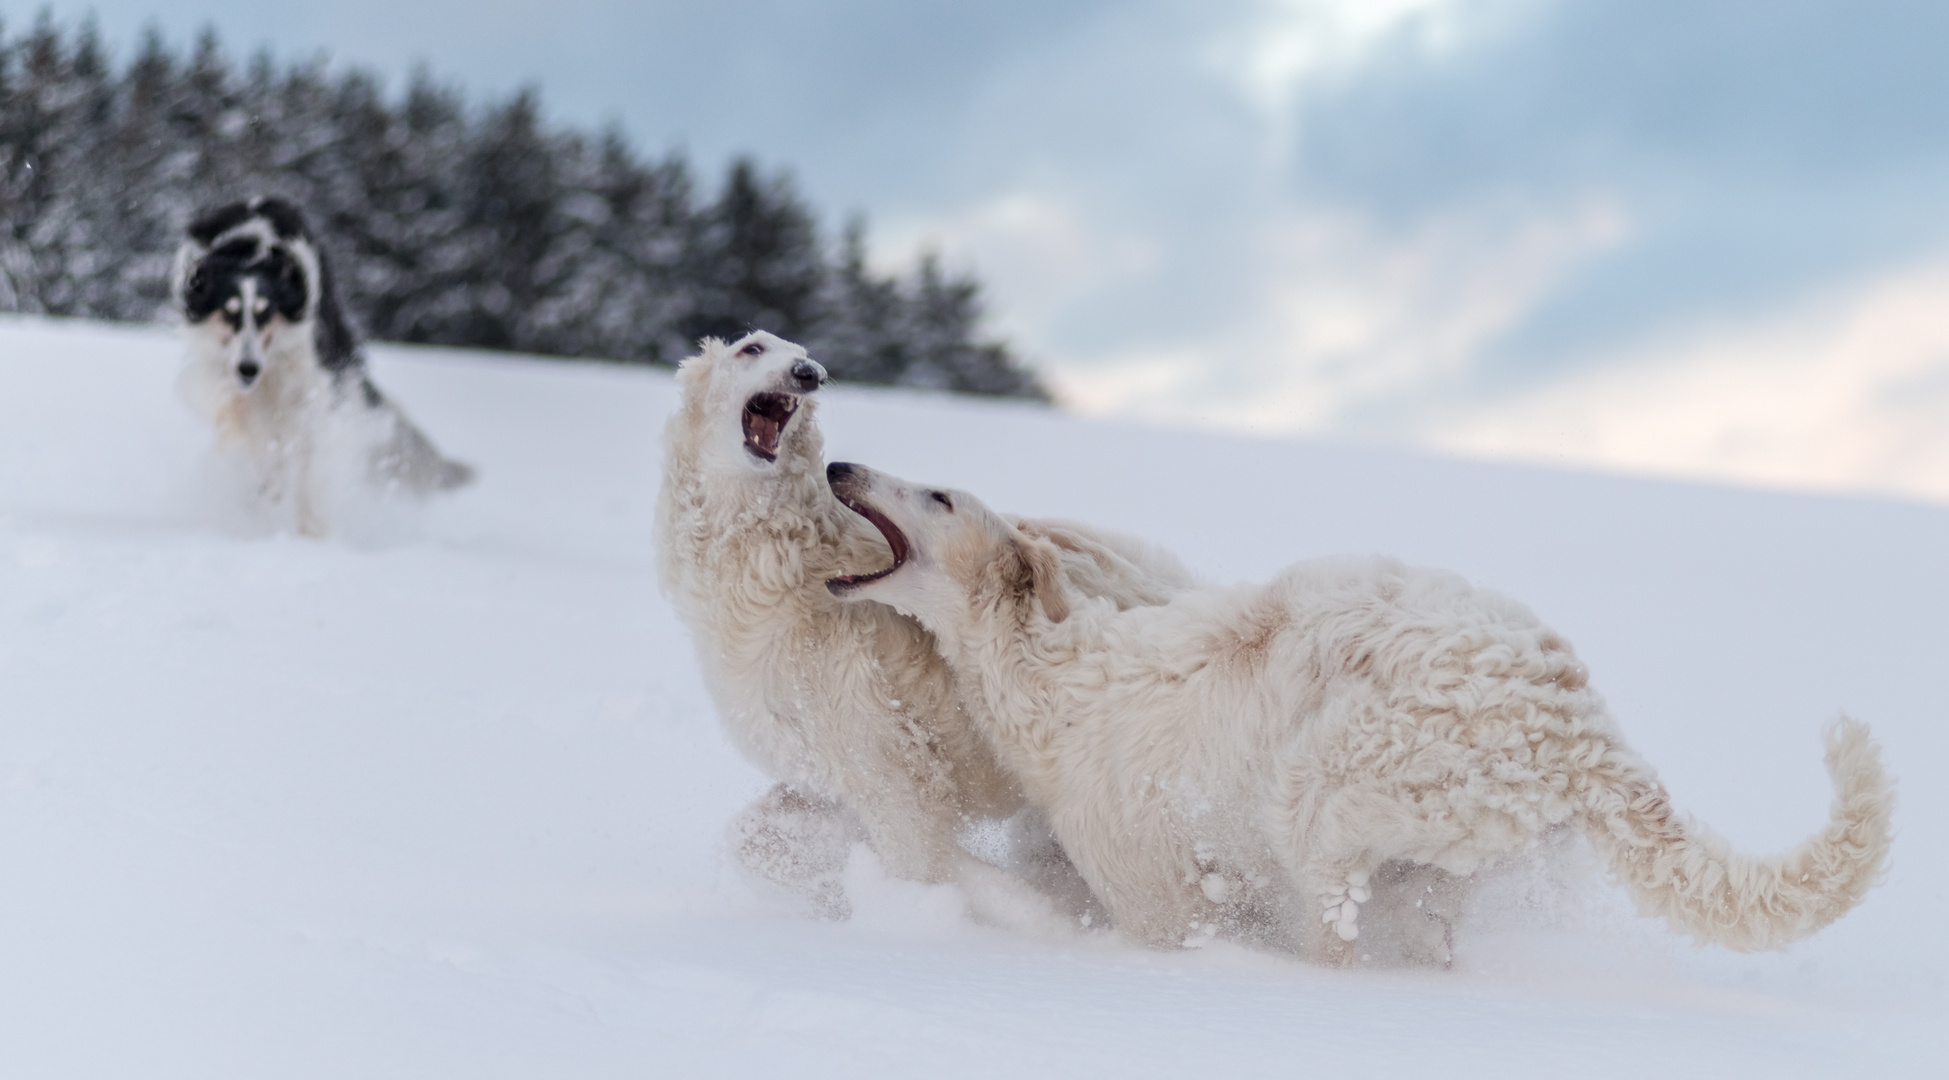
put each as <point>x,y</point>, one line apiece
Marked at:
<point>276,368</point>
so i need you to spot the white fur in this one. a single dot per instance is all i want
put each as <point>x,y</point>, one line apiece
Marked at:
<point>850,707</point>
<point>276,425</point>
<point>1260,760</point>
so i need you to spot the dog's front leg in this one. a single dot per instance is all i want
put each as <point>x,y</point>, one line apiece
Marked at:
<point>309,522</point>
<point>798,841</point>
<point>911,828</point>
<point>303,470</point>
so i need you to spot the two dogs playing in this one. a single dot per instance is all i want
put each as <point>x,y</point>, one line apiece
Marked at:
<point>850,707</point>
<point>1286,764</point>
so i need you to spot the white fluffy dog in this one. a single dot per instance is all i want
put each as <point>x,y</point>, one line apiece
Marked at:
<point>851,707</point>
<point>1239,758</point>
<point>275,367</point>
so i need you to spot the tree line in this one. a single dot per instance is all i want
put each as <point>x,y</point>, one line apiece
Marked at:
<point>447,223</point>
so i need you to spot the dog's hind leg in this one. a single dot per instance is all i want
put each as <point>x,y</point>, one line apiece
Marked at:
<point>1412,917</point>
<point>1317,829</point>
<point>1334,838</point>
<point>1341,886</point>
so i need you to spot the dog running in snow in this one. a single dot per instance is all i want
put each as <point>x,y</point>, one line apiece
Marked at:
<point>1254,760</point>
<point>275,366</point>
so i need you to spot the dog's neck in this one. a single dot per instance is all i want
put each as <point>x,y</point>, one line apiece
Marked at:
<point>1005,655</point>
<point>784,516</point>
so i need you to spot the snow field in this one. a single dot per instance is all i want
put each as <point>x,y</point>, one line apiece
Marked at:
<point>446,798</point>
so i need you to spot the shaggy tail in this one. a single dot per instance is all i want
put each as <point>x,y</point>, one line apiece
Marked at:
<point>1683,872</point>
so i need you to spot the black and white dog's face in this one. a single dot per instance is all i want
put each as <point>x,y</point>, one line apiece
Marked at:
<point>247,281</point>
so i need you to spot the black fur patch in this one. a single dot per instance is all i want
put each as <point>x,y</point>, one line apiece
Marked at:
<point>286,220</point>
<point>221,274</point>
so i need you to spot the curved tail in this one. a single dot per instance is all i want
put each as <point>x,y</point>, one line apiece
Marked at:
<point>1683,872</point>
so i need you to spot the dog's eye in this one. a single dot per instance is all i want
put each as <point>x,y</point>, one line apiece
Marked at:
<point>752,349</point>
<point>261,306</point>
<point>941,497</point>
<point>233,305</point>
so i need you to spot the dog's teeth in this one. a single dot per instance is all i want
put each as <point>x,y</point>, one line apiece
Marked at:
<point>1347,930</point>
<point>1357,877</point>
<point>1360,894</point>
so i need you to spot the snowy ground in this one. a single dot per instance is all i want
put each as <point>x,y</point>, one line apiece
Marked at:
<point>449,801</point>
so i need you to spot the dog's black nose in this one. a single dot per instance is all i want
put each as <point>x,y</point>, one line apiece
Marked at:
<point>840,470</point>
<point>247,371</point>
<point>808,374</point>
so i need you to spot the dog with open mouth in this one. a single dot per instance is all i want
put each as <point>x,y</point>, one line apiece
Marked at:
<point>849,707</point>
<point>275,367</point>
<point>1261,758</point>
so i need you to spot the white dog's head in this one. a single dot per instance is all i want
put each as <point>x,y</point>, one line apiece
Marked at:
<point>954,560</point>
<point>746,407</point>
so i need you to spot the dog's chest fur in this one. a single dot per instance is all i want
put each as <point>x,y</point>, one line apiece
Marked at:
<point>278,417</point>
<point>804,682</point>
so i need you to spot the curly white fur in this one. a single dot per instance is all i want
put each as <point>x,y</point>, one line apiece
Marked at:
<point>1248,760</point>
<point>851,707</point>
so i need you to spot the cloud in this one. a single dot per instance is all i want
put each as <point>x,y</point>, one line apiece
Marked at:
<point>1849,393</point>
<point>1349,320</point>
<point>1277,51</point>
<point>1764,151</point>
<point>1049,251</point>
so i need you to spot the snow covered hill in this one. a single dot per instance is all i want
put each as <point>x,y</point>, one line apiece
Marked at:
<point>446,798</point>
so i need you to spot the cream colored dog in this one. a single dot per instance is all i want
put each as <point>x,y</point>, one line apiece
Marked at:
<point>1239,758</point>
<point>850,706</point>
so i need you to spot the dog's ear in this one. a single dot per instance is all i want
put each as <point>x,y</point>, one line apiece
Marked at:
<point>694,372</point>
<point>1045,575</point>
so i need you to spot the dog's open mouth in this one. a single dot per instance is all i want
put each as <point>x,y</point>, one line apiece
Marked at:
<point>765,417</point>
<point>896,540</point>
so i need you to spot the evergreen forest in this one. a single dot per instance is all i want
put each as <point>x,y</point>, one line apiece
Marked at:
<point>448,222</point>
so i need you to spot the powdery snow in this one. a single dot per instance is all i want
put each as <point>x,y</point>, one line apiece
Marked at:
<point>445,797</point>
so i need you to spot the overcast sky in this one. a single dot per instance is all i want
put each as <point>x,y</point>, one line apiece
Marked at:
<point>1701,237</point>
